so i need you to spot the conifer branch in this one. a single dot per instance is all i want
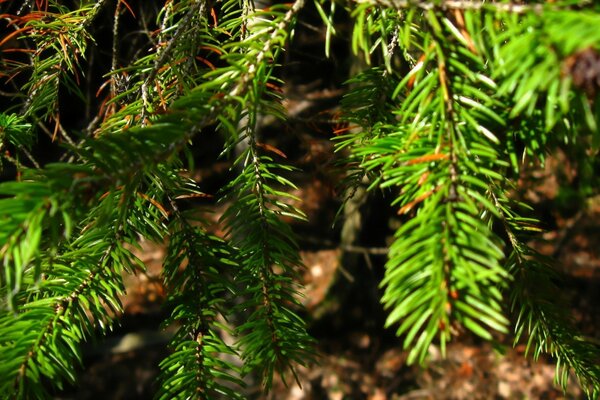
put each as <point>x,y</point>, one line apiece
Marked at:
<point>509,7</point>
<point>93,13</point>
<point>540,314</point>
<point>67,39</point>
<point>197,7</point>
<point>282,25</point>
<point>456,93</point>
<point>58,321</point>
<point>273,338</point>
<point>202,288</point>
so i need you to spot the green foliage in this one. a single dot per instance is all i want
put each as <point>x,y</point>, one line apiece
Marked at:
<point>456,101</point>
<point>480,85</point>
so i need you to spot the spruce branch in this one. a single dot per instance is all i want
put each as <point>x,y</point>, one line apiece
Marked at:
<point>541,316</point>
<point>273,338</point>
<point>115,48</point>
<point>58,321</point>
<point>73,300</point>
<point>70,294</point>
<point>197,293</point>
<point>93,12</point>
<point>65,38</point>
<point>272,38</point>
<point>196,7</point>
<point>456,94</point>
<point>429,156</point>
<point>508,7</point>
<point>547,323</point>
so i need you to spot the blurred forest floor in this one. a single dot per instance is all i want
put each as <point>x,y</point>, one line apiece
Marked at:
<point>359,359</point>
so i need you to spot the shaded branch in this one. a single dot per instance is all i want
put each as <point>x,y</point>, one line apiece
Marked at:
<point>513,8</point>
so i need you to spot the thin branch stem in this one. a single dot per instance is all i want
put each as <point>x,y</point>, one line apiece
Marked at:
<point>376,251</point>
<point>115,50</point>
<point>93,13</point>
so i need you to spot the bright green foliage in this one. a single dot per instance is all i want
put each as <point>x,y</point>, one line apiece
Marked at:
<point>474,84</point>
<point>65,226</point>
<point>457,99</point>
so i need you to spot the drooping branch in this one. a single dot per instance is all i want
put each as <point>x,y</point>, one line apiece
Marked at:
<point>244,82</point>
<point>165,53</point>
<point>514,8</point>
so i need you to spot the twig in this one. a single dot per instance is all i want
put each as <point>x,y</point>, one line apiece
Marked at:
<point>9,94</point>
<point>566,234</point>
<point>62,130</point>
<point>115,50</point>
<point>30,156</point>
<point>26,4</point>
<point>93,12</point>
<point>348,247</point>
